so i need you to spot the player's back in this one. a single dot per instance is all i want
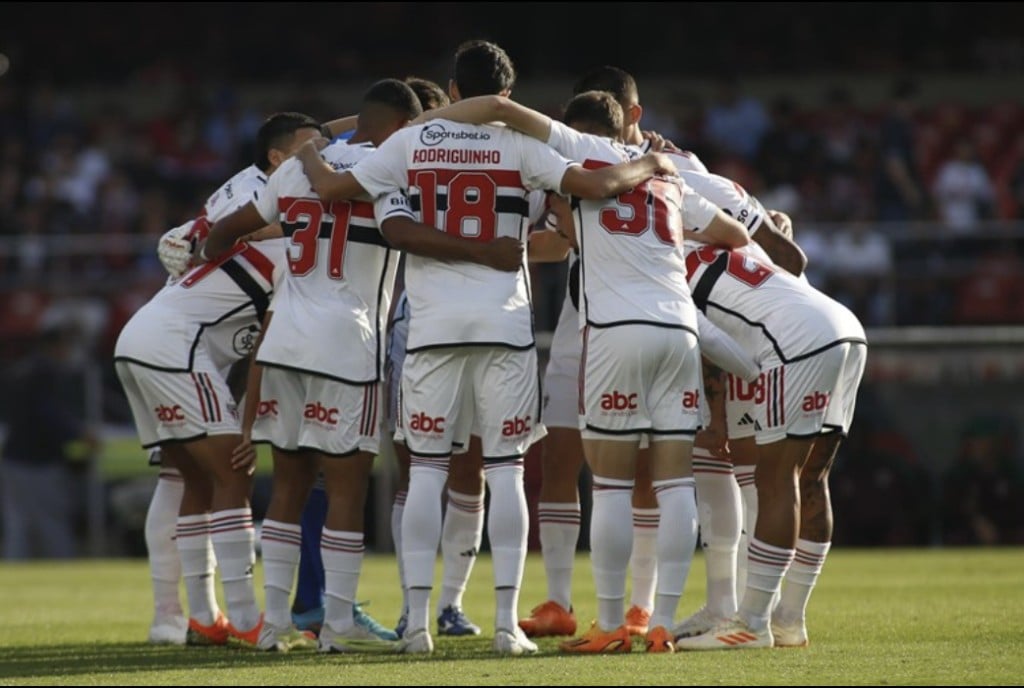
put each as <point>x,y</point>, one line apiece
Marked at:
<point>246,185</point>
<point>632,266</point>
<point>339,278</point>
<point>765,308</point>
<point>221,302</point>
<point>734,200</point>
<point>472,182</point>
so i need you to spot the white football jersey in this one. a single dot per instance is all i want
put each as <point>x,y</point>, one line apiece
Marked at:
<point>683,160</point>
<point>220,303</point>
<point>768,311</point>
<point>632,263</point>
<point>245,186</point>
<point>331,317</point>
<point>735,202</point>
<point>471,181</point>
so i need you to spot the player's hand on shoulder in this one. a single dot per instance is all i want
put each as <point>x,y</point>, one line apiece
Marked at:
<point>175,250</point>
<point>665,166</point>
<point>505,254</point>
<point>310,150</point>
<point>660,144</point>
<point>783,223</point>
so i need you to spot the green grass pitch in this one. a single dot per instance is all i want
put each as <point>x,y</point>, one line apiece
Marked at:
<point>877,617</point>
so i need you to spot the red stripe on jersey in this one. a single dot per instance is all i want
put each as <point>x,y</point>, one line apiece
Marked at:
<point>206,268</point>
<point>510,178</point>
<point>202,401</point>
<point>258,260</point>
<point>200,228</point>
<point>362,209</point>
<point>589,164</point>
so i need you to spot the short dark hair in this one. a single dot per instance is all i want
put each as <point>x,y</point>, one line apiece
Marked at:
<point>616,81</point>
<point>431,95</point>
<point>395,95</point>
<point>275,132</point>
<point>483,68</point>
<point>599,109</point>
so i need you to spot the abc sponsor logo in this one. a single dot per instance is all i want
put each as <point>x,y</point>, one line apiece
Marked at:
<point>618,403</point>
<point>318,413</point>
<point>422,423</point>
<point>267,408</point>
<point>691,399</point>
<point>169,414</point>
<point>516,426</point>
<point>814,403</point>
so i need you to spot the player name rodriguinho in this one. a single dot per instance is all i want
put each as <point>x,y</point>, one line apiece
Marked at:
<point>457,156</point>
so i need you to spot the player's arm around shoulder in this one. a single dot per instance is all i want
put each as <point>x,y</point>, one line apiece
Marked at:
<point>613,180</point>
<point>328,184</point>
<point>229,229</point>
<point>485,109</point>
<point>783,251</point>
<point>710,224</point>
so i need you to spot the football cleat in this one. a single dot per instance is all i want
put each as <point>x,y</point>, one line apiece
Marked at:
<point>370,624</point>
<point>549,619</point>
<point>168,630</point>
<point>730,634</point>
<point>245,639</point>
<point>596,641</point>
<point>419,642</point>
<point>697,623</point>
<point>658,639</point>
<point>789,635</point>
<point>637,620</point>
<point>453,621</point>
<point>514,642</point>
<point>275,639</point>
<point>214,634</point>
<point>354,639</point>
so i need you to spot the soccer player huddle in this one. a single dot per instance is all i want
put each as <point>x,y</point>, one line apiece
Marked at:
<point>704,381</point>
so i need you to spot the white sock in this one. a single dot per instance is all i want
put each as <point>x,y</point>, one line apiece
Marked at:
<point>721,514</point>
<point>233,539</point>
<point>197,567</point>
<point>611,541</point>
<point>766,565</point>
<point>164,561</point>
<point>748,491</point>
<point>676,540</point>
<point>461,535</point>
<point>559,524</point>
<point>507,526</point>
<point>421,534</point>
<point>643,560</point>
<point>281,544</point>
<point>800,580</point>
<point>397,509</point>
<point>342,552</point>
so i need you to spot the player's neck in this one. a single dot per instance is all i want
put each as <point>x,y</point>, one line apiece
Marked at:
<point>361,136</point>
<point>634,137</point>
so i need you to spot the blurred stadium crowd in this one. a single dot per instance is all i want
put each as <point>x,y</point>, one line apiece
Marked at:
<point>909,206</point>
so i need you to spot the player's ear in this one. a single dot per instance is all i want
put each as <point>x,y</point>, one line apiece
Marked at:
<point>453,90</point>
<point>276,157</point>
<point>635,113</point>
